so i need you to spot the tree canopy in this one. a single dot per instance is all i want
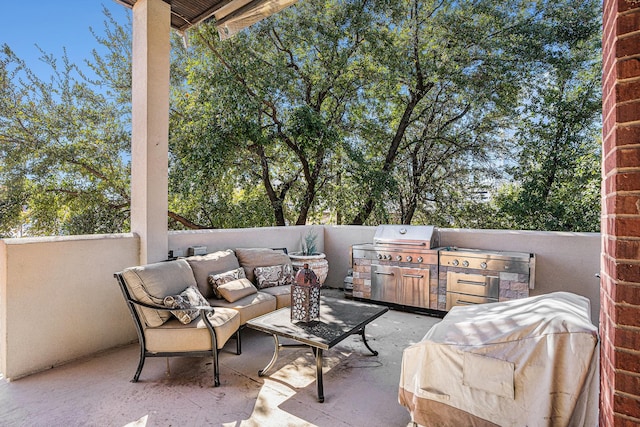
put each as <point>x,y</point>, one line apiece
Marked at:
<point>468,114</point>
<point>64,149</point>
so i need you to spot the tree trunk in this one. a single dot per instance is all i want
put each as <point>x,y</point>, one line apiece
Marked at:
<point>275,199</point>
<point>392,153</point>
<point>410,211</point>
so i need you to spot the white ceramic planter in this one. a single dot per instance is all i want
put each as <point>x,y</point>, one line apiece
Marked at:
<point>317,263</point>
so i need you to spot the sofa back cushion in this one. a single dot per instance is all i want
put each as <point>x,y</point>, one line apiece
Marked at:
<point>250,258</point>
<point>151,283</point>
<point>213,263</point>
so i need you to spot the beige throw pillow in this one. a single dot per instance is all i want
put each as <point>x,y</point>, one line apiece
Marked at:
<point>217,280</point>
<point>234,290</point>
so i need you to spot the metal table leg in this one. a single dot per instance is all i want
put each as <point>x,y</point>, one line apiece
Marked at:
<point>364,339</point>
<point>317,352</point>
<point>276,351</point>
<point>263,372</point>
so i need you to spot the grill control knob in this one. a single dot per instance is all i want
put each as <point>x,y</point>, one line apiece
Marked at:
<point>388,257</point>
<point>409,258</point>
<point>455,262</point>
<point>465,263</point>
<point>483,265</point>
<point>399,258</point>
<point>380,256</point>
<point>420,259</point>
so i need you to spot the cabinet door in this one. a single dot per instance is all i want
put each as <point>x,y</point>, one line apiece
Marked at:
<point>384,283</point>
<point>414,287</point>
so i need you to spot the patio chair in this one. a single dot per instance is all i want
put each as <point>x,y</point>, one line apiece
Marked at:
<point>161,334</point>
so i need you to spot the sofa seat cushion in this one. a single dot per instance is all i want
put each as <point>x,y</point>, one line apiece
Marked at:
<point>250,258</point>
<point>250,306</point>
<point>213,263</point>
<point>282,294</point>
<point>194,336</point>
<point>151,283</point>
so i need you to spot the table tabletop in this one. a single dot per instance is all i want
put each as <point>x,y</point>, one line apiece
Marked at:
<point>338,319</point>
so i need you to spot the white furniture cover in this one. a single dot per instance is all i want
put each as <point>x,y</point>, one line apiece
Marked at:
<point>527,362</point>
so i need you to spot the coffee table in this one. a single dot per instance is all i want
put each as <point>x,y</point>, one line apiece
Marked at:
<point>338,320</point>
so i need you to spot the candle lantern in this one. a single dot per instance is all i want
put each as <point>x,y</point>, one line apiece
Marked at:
<point>305,296</point>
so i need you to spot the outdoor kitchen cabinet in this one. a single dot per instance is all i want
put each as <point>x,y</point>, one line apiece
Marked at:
<point>400,285</point>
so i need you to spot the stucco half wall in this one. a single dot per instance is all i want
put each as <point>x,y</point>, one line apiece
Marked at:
<point>59,300</point>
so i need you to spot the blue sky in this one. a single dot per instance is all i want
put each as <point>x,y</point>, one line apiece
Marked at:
<point>54,26</point>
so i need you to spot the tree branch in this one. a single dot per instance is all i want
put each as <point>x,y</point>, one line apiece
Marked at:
<point>184,221</point>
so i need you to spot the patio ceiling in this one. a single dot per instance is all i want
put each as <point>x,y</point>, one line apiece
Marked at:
<point>230,16</point>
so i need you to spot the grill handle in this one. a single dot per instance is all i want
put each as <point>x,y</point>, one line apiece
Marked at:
<point>461,302</point>
<point>384,273</point>
<point>402,243</point>
<point>472,282</point>
<point>414,276</point>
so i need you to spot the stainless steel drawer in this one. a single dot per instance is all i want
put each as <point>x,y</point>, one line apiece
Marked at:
<point>473,284</point>
<point>455,299</point>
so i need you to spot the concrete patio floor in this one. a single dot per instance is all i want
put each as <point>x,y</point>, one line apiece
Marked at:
<point>360,389</point>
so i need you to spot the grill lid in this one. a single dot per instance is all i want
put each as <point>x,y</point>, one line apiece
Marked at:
<point>410,235</point>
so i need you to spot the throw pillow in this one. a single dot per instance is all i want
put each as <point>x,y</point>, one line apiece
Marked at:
<point>274,275</point>
<point>189,298</point>
<point>217,280</point>
<point>234,290</point>
<point>250,258</point>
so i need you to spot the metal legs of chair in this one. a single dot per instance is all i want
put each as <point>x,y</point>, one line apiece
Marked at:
<point>140,365</point>
<point>216,364</point>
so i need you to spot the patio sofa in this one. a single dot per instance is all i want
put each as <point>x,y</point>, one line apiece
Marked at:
<point>192,306</point>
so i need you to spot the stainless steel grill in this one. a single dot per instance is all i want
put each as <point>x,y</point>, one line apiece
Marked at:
<point>400,267</point>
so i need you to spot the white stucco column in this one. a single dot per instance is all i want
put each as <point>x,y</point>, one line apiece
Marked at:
<point>150,127</point>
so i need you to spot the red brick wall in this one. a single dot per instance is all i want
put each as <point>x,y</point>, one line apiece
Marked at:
<point>620,279</point>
